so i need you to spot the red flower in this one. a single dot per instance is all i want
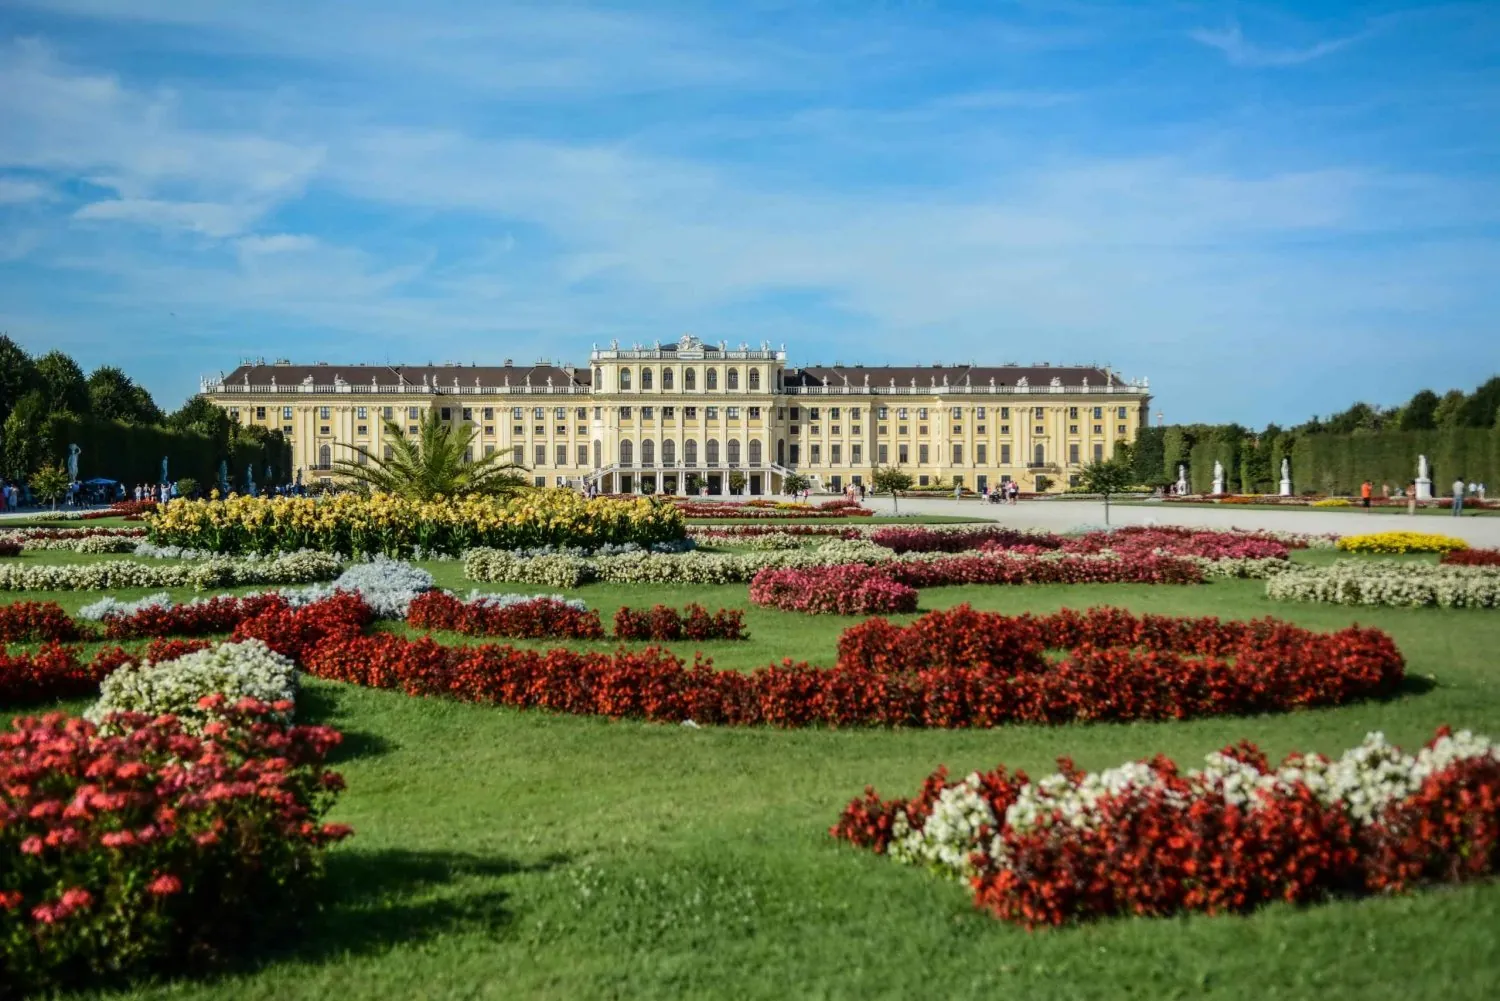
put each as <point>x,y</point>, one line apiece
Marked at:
<point>164,885</point>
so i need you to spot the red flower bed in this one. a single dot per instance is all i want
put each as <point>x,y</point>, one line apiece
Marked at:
<point>540,618</point>
<point>846,589</point>
<point>712,509</point>
<point>1001,568</point>
<point>144,851</point>
<point>1121,666</point>
<point>130,510</point>
<point>1179,842</point>
<point>746,531</point>
<point>216,615</point>
<point>693,623</point>
<point>1175,541</point>
<point>913,539</point>
<point>10,547</point>
<point>54,672</point>
<point>1472,558</point>
<point>34,621</point>
<point>75,533</point>
<point>292,632</point>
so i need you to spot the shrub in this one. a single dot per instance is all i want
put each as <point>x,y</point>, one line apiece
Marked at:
<point>1401,542</point>
<point>247,669</point>
<point>151,848</point>
<point>10,547</point>
<point>1471,558</point>
<point>1331,502</point>
<point>541,616</point>
<point>110,575</point>
<point>693,623</point>
<point>54,672</point>
<point>1351,582</point>
<point>914,539</point>
<point>851,589</point>
<point>36,621</point>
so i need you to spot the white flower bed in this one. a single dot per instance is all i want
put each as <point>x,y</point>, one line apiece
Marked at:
<point>776,540</point>
<point>236,670</point>
<point>1364,781</point>
<point>1390,582</point>
<point>300,567</point>
<point>114,608</point>
<point>655,568</point>
<point>87,544</point>
<point>487,600</point>
<point>1239,566</point>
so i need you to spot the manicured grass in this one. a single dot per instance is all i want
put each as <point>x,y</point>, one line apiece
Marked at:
<point>505,854</point>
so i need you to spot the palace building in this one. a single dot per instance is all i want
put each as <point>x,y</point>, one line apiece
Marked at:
<point>673,418</point>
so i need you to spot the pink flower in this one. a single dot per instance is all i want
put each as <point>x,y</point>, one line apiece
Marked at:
<point>164,885</point>
<point>32,845</point>
<point>77,898</point>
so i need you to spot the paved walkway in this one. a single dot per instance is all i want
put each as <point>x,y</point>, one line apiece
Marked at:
<point>1061,515</point>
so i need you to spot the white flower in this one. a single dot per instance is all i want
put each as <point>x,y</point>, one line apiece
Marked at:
<point>236,670</point>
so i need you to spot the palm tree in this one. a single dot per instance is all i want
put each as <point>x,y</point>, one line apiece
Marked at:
<point>436,462</point>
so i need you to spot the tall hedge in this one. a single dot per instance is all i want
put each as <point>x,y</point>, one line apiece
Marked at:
<point>132,453</point>
<point>1339,463</point>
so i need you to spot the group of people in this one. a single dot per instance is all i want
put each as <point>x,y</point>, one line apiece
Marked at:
<point>1006,493</point>
<point>1461,490</point>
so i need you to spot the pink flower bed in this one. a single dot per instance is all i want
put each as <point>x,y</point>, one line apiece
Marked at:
<point>852,589</point>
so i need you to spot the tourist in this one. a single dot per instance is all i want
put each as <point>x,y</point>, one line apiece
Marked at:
<point>1364,494</point>
<point>861,493</point>
<point>1411,497</point>
<point>958,491</point>
<point>1458,497</point>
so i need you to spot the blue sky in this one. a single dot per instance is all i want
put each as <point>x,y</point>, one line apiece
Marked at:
<point>1269,210</point>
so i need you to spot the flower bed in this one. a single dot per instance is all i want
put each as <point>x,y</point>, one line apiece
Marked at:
<point>1471,558</point>
<point>152,848</point>
<point>1401,542</point>
<point>538,617</point>
<point>77,540</point>
<point>110,575</point>
<point>1349,582</point>
<point>177,686</point>
<point>54,672</point>
<point>1149,839</point>
<point>1009,568</point>
<point>158,616</point>
<point>692,623</point>
<point>721,509</point>
<point>36,621</point>
<point>346,523</point>
<point>1174,541</point>
<point>851,589</point>
<point>916,539</point>
<point>715,533</point>
<point>10,547</point>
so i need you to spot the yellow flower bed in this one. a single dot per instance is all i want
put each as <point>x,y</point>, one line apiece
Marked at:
<point>350,524</point>
<point>1401,542</point>
<point>1331,502</point>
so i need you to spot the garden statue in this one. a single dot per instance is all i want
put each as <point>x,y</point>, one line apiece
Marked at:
<point>250,479</point>
<point>164,470</point>
<point>223,478</point>
<point>1286,477</point>
<point>1424,479</point>
<point>1182,483</point>
<point>1218,477</point>
<point>73,452</point>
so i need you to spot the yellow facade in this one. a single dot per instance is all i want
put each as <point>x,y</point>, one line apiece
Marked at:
<point>688,416</point>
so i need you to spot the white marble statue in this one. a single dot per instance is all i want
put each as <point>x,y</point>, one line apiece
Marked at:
<point>1424,479</point>
<point>1218,477</point>
<point>1286,477</point>
<point>1182,483</point>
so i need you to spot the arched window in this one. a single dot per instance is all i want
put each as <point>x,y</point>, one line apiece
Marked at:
<point>624,378</point>
<point>755,452</point>
<point>754,379</point>
<point>781,451</point>
<point>734,452</point>
<point>711,380</point>
<point>732,378</point>
<point>645,378</point>
<point>690,453</point>
<point>666,378</point>
<point>713,451</point>
<point>598,453</point>
<point>690,378</point>
<point>598,379</point>
<point>325,456</point>
<point>1040,455</point>
<point>627,453</point>
<point>648,453</point>
<point>668,450</point>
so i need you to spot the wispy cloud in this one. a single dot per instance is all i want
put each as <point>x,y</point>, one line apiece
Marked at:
<point>1240,51</point>
<point>15,190</point>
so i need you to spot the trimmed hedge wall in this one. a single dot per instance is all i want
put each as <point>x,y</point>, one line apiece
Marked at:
<point>1339,463</point>
<point>132,453</point>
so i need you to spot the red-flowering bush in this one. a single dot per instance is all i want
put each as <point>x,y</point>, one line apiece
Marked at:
<point>1448,831</point>
<point>130,510</point>
<point>693,623</point>
<point>127,853</point>
<point>10,547</point>
<point>539,618</point>
<point>54,672</point>
<point>74,533</point>
<point>1007,568</point>
<point>216,615</point>
<point>292,632</point>
<point>848,589</point>
<point>1136,540</point>
<point>915,539</point>
<point>35,621</point>
<point>1471,558</point>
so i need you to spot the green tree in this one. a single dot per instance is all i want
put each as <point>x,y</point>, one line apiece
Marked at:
<point>62,384</point>
<point>438,462</point>
<point>1449,412</point>
<point>1420,412</point>
<point>201,415</point>
<point>112,395</point>
<point>795,483</point>
<point>1479,409</point>
<point>1175,448</point>
<point>186,486</point>
<point>1107,477</point>
<point>24,441</point>
<point>892,479</point>
<point>736,481</point>
<point>17,375</point>
<point>50,483</point>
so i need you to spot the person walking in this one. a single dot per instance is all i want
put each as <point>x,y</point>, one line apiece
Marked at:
<point>1458,497</point>
<point>1411,497</point>
<point>958,491</point>
<point>1364,494</point>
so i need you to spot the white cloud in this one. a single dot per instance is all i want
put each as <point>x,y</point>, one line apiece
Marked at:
<point>275,243</point>
<point>1240,51</point>
<point>15,190</point>
<point>206,218</point>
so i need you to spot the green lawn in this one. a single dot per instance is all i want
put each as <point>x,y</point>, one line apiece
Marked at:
<point>506,854</point>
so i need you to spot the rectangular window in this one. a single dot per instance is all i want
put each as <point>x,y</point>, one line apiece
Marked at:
<point>359,412</point>
<point>900,413</point>
<point>854,429</point>
<point>883,413</point>
<point>363,430</point>
<point>902,455</point>
<point>1098,452</point>
<point>958,429</point>
<point>1004,455</point>
<point>922,481</point>
<point>793,451</point>
<point>234,413</point>
<point>1098,429</point>
<point>582,413</point>
<point>1036,412</point>
<point>515,413</point>
<point>691,413</point>
<point>598,413</point>
<point>979,429</point>
<point>834,429</point>
<point>286,429</point>
<point>755,413</point>
<point>536,413</point>
<point>412,429</point>
<point>324,429</point>
<point>386,412</point>
<point>489,429</point>
<point>1120,429</point>
<point>1005,429</point>
<point>979,413</point>
<point>1072,429</point>
<point>883,429</point>
<point>517,429</point>
<point>833,413</point>
<point>921,455</point>
<point>583,455</point>
<point>884,451</point>
<point>468,455</point>
<point>903,428</point>
<point>796,414</point>
<point>447,413</point>
<point>854,413</point>
<point>260,413</point>
<point>856,454</point>
<point>1073,454</point>
<point>624,413</point>
<point>981,454</point>
<point>1098,413</point>
<point>286,413</point>
<point>1072,413</point>
<point>734,413</point>
<point>489,413</point>
<point>1005,413</point>
<point>922,429</point>
<point>813,429</point>
<point>921,413</point>
<point>958,455</point>
<point>540,452</point>
<point>812,413</point>
<point>712,413</point>
<point>559,413</point>
<point>648,413</point>
<point>668,413</point>
<point>538,430</point>
<point>958,413</point>
<point>561,429</point>
<point>1040,429</point>
<point>816,452</point>
<point>468,413</point>
<point>489,450</point>
<point>323,412</point>
<point>412,412</point>
<point>1120,413</point>
<point>562,455</point>
<point>389,452</point>
<point>518,454</point>
<point>835,454</point>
